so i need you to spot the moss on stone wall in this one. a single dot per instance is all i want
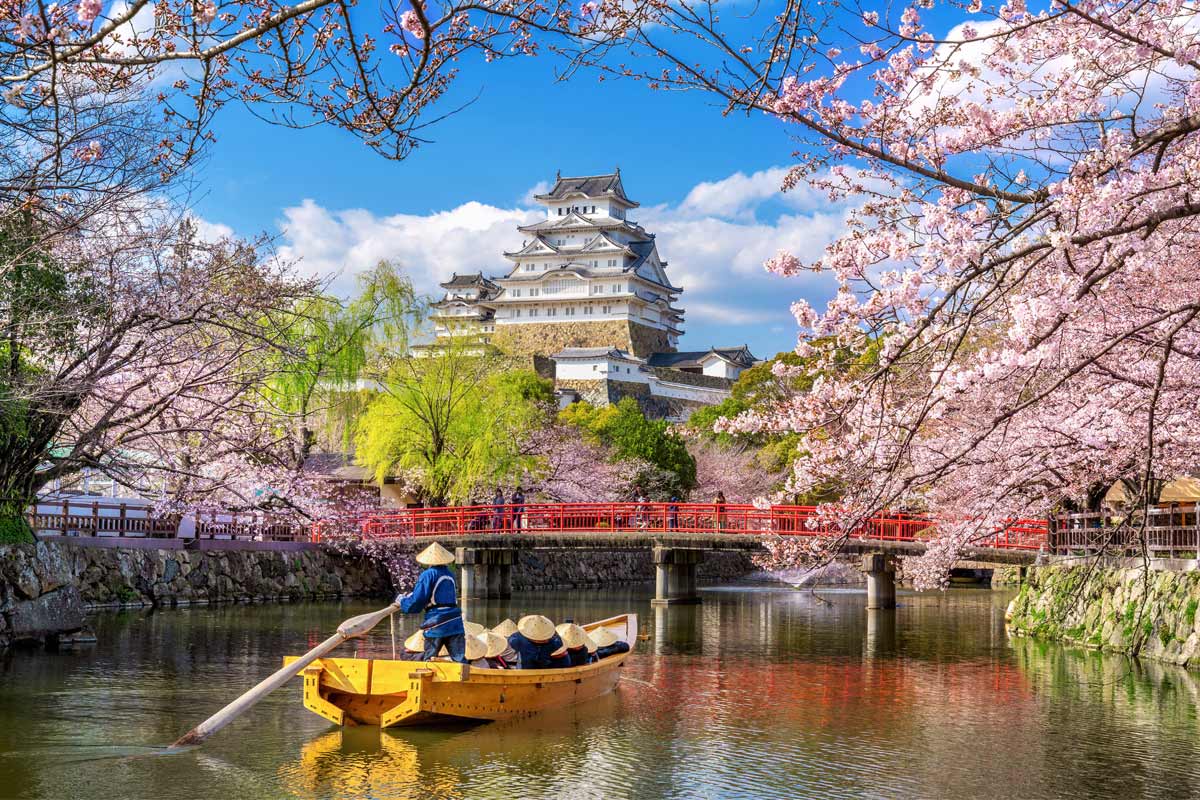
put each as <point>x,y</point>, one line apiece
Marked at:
<point>1131,611</point>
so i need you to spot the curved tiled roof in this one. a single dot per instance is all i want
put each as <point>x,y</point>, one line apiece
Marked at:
<point>589,186</point>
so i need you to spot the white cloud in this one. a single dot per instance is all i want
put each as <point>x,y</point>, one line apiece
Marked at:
<point>740,195</point>
<point>715,242</point>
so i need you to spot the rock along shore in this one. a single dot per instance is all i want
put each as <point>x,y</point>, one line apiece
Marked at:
<point>1115,609</point>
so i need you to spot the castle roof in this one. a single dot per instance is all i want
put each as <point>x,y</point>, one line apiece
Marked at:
<point>589,353</point>
<point>470,279</point>
<point>588,186</point>
<point>739,356</point>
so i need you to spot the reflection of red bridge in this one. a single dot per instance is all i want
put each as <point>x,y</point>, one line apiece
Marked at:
<point>678,535</point>
<point>598,520</point>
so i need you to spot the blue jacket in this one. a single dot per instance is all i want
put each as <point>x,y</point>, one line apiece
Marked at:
<point>535,655</point>
<point>612,649</point>
<point>437,595</point>
<point>579,656</point>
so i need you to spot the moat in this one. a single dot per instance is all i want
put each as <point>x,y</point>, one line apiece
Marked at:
<point>758,692</point>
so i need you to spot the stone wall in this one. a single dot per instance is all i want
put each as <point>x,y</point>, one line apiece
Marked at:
<point>548,338</point>
<point>1125,610</point>
<point>45,588</point>
<point>579,569</point>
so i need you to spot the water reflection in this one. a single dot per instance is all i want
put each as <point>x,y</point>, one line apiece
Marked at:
<point>756,693</point>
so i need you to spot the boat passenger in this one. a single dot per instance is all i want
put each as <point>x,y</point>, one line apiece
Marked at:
<point>473,628</point>
<point>506,628</point>
<point>608,643</point>
<point>500,654</point>
<point>414,648</point>
<point>436,594</point>
<point>476,652</point>
<point>575,639</point>
<point>537,643</point>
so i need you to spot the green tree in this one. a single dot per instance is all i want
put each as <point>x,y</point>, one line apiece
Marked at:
<point>329,344</point>
<point>631,437</point>
<point>453,422</point>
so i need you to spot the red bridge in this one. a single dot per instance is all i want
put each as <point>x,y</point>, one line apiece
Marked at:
<point>598,519</point>
<point>487,538</point>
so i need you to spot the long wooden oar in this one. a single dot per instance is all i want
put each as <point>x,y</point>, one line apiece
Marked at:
<point>355,626</point>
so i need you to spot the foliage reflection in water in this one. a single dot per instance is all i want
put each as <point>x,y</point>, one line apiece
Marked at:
<point>759,692</point>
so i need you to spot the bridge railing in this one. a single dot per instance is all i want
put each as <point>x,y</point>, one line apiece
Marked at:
<point>1172,530</point>
<point>622,518</point>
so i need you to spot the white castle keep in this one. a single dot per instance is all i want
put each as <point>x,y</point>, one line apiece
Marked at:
<point>588,289</point>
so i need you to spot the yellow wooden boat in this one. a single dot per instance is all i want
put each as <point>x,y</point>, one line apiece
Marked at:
<point>385,692</point>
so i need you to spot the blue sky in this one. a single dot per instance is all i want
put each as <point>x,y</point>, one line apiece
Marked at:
<point>708,185</point>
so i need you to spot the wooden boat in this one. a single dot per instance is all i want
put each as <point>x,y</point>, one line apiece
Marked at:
<point>385,692</point>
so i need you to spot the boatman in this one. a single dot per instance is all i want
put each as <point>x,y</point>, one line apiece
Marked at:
<point>436,594</point>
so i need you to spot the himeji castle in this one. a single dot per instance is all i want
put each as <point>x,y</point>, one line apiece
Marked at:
<point>588,290</point>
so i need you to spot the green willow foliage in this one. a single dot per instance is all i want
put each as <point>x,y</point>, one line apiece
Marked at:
<point>329,343</point>
<point>453,423</point>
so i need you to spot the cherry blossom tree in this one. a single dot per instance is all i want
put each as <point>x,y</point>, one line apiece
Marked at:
<point>1020,245</point>
<point>139,355</point>
<point>735,469</point>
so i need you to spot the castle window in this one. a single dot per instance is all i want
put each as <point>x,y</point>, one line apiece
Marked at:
<point>612,262</point>
<point>517,313</point>
<point>516,292</point>
<point>533,312</point>
<point>534,292</point>
<point>552,311</point>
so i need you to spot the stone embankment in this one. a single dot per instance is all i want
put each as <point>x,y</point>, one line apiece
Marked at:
<point>47,588</point>
<point>582,569</point>
<point>1148,614</point>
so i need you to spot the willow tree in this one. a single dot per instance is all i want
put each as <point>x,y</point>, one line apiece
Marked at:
<point>453,422</point>
<point>329,344</point>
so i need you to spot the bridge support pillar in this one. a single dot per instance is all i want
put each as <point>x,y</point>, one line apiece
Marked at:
<point>881,580</point>
<point>675,575</point>
<point>486,572</point>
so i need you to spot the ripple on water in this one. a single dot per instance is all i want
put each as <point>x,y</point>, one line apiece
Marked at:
<point>757,693</point>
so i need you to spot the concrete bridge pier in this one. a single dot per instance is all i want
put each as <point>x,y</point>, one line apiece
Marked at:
<point>881,580</point>
<point>486,572</point>
<point>675,575</point>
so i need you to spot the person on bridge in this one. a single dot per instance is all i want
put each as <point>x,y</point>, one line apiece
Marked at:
<point>607,643</point>
<point>719,503</point>
<point>436,594</point>
<point>518,508</point>
<point>498,510</point>
<point>673,512</point>
<point>538,644</point>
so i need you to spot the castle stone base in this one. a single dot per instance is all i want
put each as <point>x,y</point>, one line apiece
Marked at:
<point>547,338</point>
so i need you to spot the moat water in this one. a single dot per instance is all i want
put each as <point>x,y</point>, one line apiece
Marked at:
<point>758,693</point>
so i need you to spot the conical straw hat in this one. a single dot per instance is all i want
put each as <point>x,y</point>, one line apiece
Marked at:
<point>475,648</point>
<point>473,628</point>
<point>536,628</point>
<point>435,555</point>
<point>506,628</point>
<point>590,643</point>
<point>562,651</point>
<point>603,637</point>
<point>496,644</point>
<point>415,643</point>
<point>572,635</point>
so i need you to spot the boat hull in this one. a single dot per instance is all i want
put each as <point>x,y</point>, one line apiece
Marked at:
<point>385,692</point>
